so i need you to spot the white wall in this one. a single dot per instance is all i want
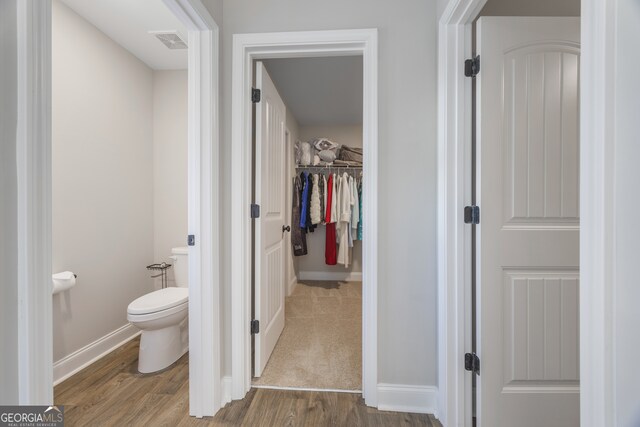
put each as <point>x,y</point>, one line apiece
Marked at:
<point>313,262</point>
<point>627,229</point>
<point>102,180</point>
<point>169,164</point>
<point>407,135</point>
<point>8,201</point>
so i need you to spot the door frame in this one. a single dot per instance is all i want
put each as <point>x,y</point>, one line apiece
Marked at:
<point>205,383</point>
<point>246,49</point>
<point>34,204</point>
<point>454,192</point>
<point>598,26</point>
<point>597,248</point>
<point>290,267</point>
<point>33,164</point>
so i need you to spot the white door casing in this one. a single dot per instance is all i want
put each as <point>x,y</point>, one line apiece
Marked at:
<point>255,46</point>
<point>34,173</point>
<point>528,191</point>
<point>205,380</point>
<point>270,195</point>
<point>289,174</point>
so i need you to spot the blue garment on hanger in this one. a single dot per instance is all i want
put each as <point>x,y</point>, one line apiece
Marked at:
<point>305,200</point>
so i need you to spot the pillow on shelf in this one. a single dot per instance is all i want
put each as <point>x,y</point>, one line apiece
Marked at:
<point>303,153</point>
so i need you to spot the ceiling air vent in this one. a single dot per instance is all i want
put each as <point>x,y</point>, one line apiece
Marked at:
<point>170,39</point>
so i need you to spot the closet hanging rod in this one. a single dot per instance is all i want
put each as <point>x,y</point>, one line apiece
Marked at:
<point>328,167</point>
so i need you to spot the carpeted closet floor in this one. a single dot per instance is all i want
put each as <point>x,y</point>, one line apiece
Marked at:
<point>321,345</point>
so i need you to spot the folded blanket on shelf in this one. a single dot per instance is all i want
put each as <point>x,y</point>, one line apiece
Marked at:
<point>350,154</point>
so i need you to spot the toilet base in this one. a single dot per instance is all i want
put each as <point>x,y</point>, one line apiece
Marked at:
<point>161,347</point>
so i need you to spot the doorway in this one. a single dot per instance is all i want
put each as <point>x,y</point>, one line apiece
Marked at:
<point>307,292</point>
<point>35,89</point>
<point>250,47</point>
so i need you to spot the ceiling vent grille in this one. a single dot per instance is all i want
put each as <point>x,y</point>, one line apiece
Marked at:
<point>170,39</point>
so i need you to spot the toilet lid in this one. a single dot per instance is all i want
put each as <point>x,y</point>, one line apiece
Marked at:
<point>159,300</point>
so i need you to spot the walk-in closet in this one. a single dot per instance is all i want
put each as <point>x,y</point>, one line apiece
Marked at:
<point>317,103</point>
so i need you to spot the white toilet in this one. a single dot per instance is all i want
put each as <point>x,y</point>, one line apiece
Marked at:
<point>162,317</point>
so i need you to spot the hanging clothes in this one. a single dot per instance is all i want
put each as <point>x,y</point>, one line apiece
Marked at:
<point>334,201</point>
<point>324,194</point>
<point>298,238</point>
<point>314,210</point>
<point>344,218</point>
<point>352,193</point>
<point>321,186</point>
<point>330,191</point>
<point>360,213</point>
<point>304,202</point>
<point>330,255</point>
<point>355,209</point>
<point>345,199</point>
<point>308,190</point>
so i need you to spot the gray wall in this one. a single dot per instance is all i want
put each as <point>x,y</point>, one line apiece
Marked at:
<point>314,260</point>
<point>102,140</point>
<point>8,201</point>
<point>627,230</point>
<point>407,135</point>
<point>169,164</point>
<point>524,8</point>
<point>531,8</point>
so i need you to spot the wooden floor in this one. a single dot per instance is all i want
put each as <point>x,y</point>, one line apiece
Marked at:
<point>112,393</point>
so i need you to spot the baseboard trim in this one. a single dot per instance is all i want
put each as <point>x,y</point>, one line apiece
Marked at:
<point>329,390</point>
<point>408,398</point>
<point>80,359</point>
<point>345,276</point>
<point>226,391</point>
<point>292,285</point>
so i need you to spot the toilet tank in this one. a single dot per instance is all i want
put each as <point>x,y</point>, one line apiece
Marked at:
<point>180,259</point>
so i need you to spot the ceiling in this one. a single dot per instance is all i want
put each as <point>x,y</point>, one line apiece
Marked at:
<point>320,91</point>
<point>128,23</point>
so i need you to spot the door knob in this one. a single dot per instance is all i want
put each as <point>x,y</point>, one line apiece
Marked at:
<point>286,228</point>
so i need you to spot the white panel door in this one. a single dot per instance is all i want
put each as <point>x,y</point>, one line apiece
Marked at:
<point>528,287</point>
<point>270,195</point>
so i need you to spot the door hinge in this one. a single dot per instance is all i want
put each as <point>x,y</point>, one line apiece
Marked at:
<point>255,95</point>
<point>255,211</point>
<point>472,66</point>
<point>255,326</point>
<point>472,363</point>
<point>191,240</point>
<point>472,214</point>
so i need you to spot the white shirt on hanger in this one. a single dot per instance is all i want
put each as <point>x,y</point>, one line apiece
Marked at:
<point>344,227</point>
<point>334,199</point>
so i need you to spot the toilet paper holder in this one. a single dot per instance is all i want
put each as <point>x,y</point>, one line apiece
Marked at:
<point>63,281</point>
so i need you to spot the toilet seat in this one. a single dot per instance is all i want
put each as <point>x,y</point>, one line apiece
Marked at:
<point>149,317</point>
<point>158,301</point>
